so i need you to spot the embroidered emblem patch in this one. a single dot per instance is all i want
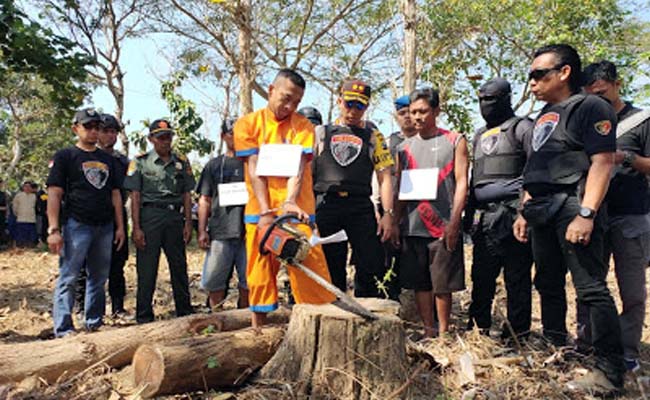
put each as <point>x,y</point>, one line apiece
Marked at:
<point>132,168</point>
<point>603,127</point>
<point>345,148</point>
<point>96,173</point>
<point>489,140</point>
<point>544,127</point>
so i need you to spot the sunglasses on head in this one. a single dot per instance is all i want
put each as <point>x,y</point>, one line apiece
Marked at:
<point>355,104</point>
<point>539,73</point>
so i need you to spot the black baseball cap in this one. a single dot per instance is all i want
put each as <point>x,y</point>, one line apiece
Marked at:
<point>160,127</point>
<point>495,87</point>
<point>312,114</point>
<point>228,125</point>
<point>86,115</point>
<point>111,122</point>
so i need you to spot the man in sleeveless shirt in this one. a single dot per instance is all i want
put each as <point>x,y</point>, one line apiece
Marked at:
<point>432,261</point>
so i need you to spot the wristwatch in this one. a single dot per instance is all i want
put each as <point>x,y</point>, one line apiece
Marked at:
<point>628,159</point>
<point>586,212</point>
<point>52,229</point>
<point>390,212</point>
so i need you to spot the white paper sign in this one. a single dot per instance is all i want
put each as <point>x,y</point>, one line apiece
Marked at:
<point>232,194</point>
<point>419,184</point>
<point>279,160</point>
<point>339,236</point>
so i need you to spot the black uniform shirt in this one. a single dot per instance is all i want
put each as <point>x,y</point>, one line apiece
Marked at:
<point>87,179</point>
<point>225,222</point>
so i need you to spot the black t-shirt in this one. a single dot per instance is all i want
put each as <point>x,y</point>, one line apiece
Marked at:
<point>225,222</point>
<point>121,164</point>
<point>628,191</point>
<point>591,127</point>
<point>3,203</point>
<point>87,178</point>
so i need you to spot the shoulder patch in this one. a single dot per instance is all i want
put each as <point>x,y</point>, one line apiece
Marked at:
<point>603,127</point>
<point>133,166</point>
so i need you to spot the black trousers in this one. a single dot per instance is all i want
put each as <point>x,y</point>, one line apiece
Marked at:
<point>516,260</point>
<point>356,215</point>
<point>553,256</point>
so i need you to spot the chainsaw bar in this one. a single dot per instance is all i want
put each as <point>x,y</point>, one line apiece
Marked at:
<point>344,302</point>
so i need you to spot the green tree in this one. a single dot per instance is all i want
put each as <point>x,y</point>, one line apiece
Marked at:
<point>184,118</point>
<point>464,42</point>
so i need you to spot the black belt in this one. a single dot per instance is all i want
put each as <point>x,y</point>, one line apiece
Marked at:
<point>164,206</point>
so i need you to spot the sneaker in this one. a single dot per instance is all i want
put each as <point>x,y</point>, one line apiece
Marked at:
<point>632,365</point>
<point>594,382</point>
<point>122,315</point>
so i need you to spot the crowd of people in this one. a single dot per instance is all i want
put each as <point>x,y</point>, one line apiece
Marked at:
<point>564,192</point>
<point>23,216</point>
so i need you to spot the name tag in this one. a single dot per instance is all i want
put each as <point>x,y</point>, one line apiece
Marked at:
<point>419,184</point>
<point>281,160</point>
<point>232,194</point>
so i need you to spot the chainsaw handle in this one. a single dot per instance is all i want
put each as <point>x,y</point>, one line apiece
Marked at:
<point>275,223</point>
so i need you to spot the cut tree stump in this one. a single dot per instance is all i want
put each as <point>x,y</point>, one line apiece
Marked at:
<point>201,363</point>
<point>52,359</point>
<point>331,353</point>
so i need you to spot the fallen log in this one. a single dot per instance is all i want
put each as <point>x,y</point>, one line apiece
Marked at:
<point>204,362</point>
<point>53,358</point>
<point>330,353</point>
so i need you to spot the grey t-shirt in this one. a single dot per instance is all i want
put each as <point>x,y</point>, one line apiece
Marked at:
<point>225,222</point>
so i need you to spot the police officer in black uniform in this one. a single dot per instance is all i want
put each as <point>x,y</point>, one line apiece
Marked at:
<point>347,154</point>
<point>565,180</point>
<point>499,158</point>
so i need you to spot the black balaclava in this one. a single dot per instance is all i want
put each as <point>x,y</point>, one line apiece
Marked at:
<point>494,101</point>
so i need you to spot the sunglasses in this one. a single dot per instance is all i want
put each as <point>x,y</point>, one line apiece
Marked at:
<point>92,125</point>
<point>539,73</point>
<point>355,104</point>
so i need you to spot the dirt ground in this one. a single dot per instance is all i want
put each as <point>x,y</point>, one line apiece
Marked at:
<point>27,279</point>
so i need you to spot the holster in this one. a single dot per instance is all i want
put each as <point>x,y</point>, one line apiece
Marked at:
<point>540,211</point>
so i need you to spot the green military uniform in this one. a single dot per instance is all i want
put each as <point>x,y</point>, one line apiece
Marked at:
<point>162,186</point>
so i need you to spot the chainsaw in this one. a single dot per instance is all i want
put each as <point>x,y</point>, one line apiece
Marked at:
<point>290,247</point>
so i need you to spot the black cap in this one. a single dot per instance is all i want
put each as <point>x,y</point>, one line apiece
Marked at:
<point>312,114</point>
<point>495,87</point>
<point>86,115</point>
<point>110,122</point>
<point>227,125</point>
<point>160,127</point>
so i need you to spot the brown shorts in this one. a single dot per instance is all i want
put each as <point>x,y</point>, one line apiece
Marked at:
<point>447,267</point>
<point>426,265</point>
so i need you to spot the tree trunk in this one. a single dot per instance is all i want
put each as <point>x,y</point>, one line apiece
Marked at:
<point>246,68</point>
<point>331,353</point>
<point>201,363</point>
<point>51,359</point>
<point>410,51</point>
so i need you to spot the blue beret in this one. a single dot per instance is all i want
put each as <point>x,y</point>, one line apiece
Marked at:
<point>402,102</point>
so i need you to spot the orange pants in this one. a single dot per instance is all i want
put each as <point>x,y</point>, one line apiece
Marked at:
<point>262,272</point>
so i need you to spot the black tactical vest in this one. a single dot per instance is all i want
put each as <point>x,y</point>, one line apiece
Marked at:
<point>344,163</point>
<point>557,158</point>
<point>498,154</point>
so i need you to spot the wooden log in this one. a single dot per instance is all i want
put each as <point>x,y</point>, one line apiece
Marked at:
<point>53,358</point>
<point>204,362</point>
<point>331,353</point>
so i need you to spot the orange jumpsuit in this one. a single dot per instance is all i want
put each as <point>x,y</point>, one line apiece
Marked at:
<point>250,133</point>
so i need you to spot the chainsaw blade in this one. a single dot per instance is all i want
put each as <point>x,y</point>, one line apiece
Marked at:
<point>344,302</point>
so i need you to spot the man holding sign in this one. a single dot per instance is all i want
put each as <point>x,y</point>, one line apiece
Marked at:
<point>221,221</point>
<point>432,179</point>
<point>277,145</point>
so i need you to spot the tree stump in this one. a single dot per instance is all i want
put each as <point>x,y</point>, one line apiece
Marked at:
<point>204,362</point>
<point>331,353</point>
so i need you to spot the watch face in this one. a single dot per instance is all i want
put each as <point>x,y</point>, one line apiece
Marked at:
<point>586,213</point>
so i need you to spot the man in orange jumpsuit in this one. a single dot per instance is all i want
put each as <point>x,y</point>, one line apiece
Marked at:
<point>269,196</point>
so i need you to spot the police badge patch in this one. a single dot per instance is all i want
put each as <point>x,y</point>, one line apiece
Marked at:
<point>544,127</point>
<point>489,140</point>
<point>345,148</point>
<point>603,127</point>
<point>96,173</point>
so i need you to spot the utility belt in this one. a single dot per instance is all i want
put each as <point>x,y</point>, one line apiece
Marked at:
<point>494,205</point>
<point>343,195</point>
<point>164,206</point>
